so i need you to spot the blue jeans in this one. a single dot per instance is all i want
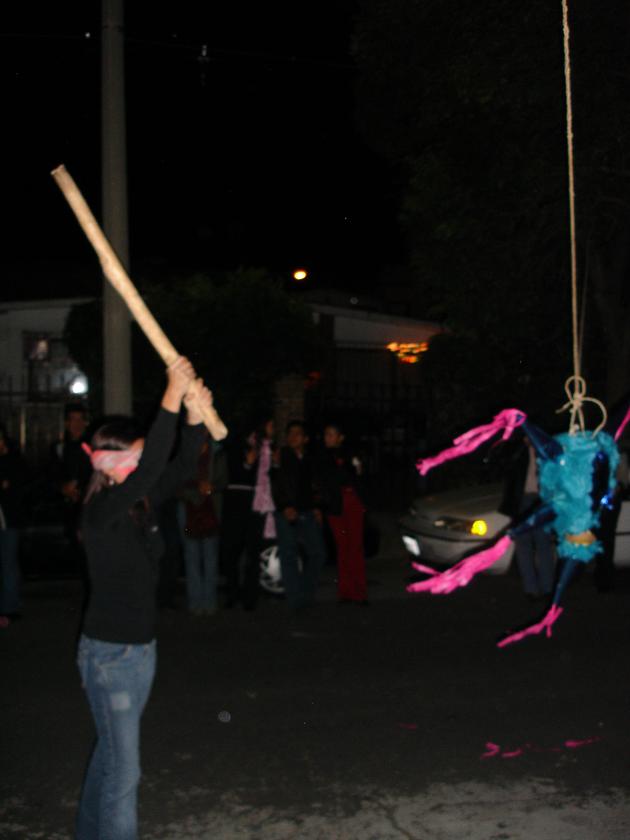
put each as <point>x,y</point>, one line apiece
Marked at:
<point>201,558</point>
<point>9,572</point>
<point>117,679</point>
<point>300,581</point>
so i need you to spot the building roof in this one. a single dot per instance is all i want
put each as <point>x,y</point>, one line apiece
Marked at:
<point>360,328</point>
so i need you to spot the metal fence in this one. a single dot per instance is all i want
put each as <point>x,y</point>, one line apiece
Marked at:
<point>35,425</point>
<point>382,406</point>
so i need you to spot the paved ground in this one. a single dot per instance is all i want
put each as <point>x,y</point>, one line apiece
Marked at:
<point>398,720</point>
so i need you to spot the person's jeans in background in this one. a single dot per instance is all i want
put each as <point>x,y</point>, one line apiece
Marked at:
<point>117,679</point>
<point>535,557</point>
<point>201,559</point>
<point>300,580</point>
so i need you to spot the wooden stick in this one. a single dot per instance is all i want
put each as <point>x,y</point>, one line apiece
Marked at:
<point>118,277</point>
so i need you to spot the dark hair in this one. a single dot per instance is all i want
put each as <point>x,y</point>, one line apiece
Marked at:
<point>296,423</point>
<point>74,408</point>
<point>261,426</point>
<point>333,424</point>
<point>116,434</point>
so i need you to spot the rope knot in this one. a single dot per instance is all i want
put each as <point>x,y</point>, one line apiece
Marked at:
<point>575,389</point>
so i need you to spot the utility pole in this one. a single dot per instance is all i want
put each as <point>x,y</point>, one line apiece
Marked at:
<point>117,379</point>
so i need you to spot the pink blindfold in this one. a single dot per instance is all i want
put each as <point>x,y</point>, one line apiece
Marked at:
<point>106,460</point>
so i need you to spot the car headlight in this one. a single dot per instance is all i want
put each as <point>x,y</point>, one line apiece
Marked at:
<point>478,527</point>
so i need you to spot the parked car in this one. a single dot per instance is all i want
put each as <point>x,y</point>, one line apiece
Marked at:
<point>440,528</point>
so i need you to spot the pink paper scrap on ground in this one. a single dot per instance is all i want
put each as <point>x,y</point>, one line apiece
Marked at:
<point>495,751</point>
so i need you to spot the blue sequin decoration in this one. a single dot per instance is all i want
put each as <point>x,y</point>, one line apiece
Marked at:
<point>566,483</point>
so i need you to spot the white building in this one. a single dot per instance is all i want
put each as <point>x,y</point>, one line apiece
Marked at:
<point>34,361</point>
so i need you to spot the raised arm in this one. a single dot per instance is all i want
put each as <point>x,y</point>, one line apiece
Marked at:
<point>184,464</point>
<point>106,506</point>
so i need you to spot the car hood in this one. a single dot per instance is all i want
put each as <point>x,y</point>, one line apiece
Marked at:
<point>466,502</point>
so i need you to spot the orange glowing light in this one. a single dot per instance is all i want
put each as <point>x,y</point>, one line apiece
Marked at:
<point>409,352</point>
<point>300,274</point>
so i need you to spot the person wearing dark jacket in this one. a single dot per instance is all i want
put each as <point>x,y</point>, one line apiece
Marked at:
<point>248,515</point>
<point>298,520</point>
<point>12,480</point>
<point>116,655</point>
<point>199,516</point>
<point>70,473</point>
<point>534,550</point>
<point>337,479</point>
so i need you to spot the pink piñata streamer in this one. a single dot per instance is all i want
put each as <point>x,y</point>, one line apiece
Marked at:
<point>623,425</point>
<point>545,625</point>
<point>506,421</point>
<point>426,569</point>
<point>584,742</point>
<point>496,751</point>
<point>441,583</point>
<point>491,750</point>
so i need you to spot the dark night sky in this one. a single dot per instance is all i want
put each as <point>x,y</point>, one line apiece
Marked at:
<point>249,159</point>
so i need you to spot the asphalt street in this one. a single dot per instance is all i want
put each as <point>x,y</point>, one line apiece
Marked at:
<point>397,720</point>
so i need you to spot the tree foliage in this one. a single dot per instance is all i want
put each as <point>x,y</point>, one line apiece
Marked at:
<point>241,330</point>
<point>468,99</point>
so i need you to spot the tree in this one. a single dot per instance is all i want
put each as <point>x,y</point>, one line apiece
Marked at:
<point>241,330</point>
<point>468,100</point>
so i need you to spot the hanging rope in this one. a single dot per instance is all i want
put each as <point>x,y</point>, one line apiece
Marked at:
<point>567,84</point>
<point>575,385</point>
<point>575,388</point>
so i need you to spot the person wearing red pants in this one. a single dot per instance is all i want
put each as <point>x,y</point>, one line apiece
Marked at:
<point>338,484</point>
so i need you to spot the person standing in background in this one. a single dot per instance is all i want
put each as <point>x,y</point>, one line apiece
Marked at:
<point>12,481</point>
<point>337,481</point>
<point>535,554</point>
<point>248,516</point>
<point>71,471</point>
<point>298,519</point>
<point>200,511</point>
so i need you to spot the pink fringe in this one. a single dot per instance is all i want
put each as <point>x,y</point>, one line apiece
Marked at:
<point>624,423</point>
<point>546,624</point>
<point>506,420</point>
<point>493,750</point>
<point>426,569</point>
<point>441,583</point>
